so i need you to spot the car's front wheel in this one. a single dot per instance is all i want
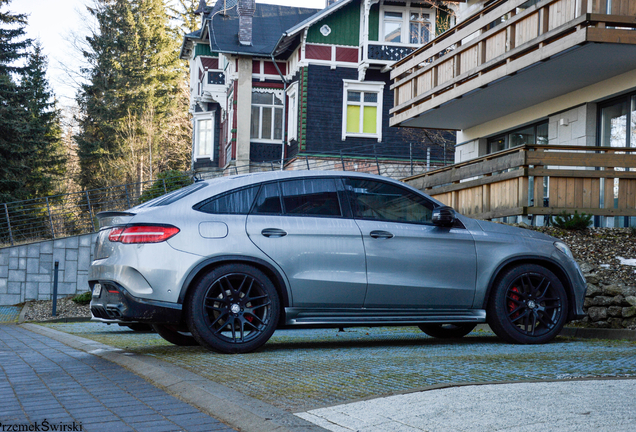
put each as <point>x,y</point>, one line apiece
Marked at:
<point>233,309</point>
<point>447,331</point>
<point>528,305</point>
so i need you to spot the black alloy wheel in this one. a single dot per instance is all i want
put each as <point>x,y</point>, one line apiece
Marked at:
<point>175,335</point>
<point>447,331</point>
<point>234,309</point>
<point>529,305</point>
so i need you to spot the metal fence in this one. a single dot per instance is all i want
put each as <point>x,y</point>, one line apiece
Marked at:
<point>75,213</point>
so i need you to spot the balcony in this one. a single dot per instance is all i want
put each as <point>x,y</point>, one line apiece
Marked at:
<point>538,180</point>
<point>511,55</point>
<point>388,52</point>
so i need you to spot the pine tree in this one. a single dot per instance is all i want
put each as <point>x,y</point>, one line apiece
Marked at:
<point>183,12</point>
<point>45,155</point>
<point>13,116</point>
<point>131,96</point>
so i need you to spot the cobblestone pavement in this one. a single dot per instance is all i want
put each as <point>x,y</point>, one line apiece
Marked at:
<point>9,314</point>
<point>598,405</point>
<point>44,380</point>
<point>300,370</point>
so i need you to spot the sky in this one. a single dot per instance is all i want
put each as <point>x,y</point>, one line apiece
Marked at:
<point>55,22</point>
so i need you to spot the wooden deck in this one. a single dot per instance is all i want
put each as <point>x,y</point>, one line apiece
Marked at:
<point>498,41</point>
<point>595,180</point>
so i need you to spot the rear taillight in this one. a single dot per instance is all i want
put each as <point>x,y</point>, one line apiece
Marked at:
<point>142,234</point>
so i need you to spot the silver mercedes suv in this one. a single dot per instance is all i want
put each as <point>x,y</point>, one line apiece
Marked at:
<point>223,263</point>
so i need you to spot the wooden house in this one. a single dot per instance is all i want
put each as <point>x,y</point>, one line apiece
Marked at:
<point>542,95</point>
<point>272,84</point>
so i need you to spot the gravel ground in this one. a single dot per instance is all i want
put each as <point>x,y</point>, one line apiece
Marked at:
<point>596,249</point>
<point>66,308</point>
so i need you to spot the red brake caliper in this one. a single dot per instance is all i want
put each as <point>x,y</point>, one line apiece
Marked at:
<point>512,305</point>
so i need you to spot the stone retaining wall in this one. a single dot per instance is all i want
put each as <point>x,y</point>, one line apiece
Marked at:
<point>609,305</point>
<point>26,272</point>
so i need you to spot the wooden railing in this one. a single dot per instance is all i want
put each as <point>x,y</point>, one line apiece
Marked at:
<point>499,40</point>
<point>594,180</point>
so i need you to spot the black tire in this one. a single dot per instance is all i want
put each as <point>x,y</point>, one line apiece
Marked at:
<point>174,335</point>
<point>447,331</point>
<point>233,309</point>
<point>139,327</point>
<point>528,305</point>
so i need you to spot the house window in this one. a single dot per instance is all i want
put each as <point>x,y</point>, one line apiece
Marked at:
<point>618,122</point>
<point>267,117</point>
<point>393,27</point>
<point>419,28</point>
<point>204,138</point>
<point>533,134</point>
<point>412,25</point>
<point>362,109</point>
<point>292,112</point>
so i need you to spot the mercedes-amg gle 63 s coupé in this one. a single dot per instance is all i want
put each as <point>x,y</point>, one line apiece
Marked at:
<point>225,262</point>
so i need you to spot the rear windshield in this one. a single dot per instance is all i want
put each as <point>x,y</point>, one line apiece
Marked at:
<point>174,196</point>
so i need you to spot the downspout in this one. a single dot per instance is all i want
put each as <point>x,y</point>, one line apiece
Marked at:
<point>284,131</point>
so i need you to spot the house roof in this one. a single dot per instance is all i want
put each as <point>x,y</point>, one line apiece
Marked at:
<point>268,24</point>
<point>289,36</point>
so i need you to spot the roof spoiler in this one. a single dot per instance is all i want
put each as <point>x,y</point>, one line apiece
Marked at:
<point>110,218</point>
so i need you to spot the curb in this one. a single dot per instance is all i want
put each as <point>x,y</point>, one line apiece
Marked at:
<point>229,406</point>
<point>588,333</point>
<point>598,333</point>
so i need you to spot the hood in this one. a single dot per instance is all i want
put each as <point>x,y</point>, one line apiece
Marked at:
<point>511,230</point>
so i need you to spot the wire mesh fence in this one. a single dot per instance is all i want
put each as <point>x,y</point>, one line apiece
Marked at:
<point>75,213</point>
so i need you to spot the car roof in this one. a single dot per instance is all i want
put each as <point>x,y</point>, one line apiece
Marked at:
<point>219,185</point>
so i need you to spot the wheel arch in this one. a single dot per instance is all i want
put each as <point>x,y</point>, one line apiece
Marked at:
<point>549,264</point>
<point>208,264</point>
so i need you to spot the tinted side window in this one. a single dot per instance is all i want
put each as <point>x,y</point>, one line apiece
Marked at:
<point>311,197</point>
<point>234,202</point>
<point>383,201</point>
<point>268,200</point>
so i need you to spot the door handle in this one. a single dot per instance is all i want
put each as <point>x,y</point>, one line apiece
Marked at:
<point>381,235</point>
<point>273,232</point>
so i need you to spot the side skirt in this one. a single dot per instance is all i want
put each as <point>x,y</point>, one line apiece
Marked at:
<point>375,317</point>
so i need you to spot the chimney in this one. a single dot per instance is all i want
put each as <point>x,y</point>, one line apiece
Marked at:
<point>246,12</point>
<point>329,2</point>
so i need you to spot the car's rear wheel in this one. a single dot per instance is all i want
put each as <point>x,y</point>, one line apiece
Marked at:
<point>528,305</point>
<point>447,331</point>
<point>175,335</point>
<point>233,309</point>
<point>138,327</point>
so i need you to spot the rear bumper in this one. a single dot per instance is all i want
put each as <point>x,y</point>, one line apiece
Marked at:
<point>116,305</point>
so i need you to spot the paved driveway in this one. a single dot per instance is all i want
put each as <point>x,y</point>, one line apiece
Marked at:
<point>302,370</point>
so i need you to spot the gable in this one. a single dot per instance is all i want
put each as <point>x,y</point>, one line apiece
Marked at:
<point>344,25</point>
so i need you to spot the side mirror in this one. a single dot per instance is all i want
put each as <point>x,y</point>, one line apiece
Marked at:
<point>443,216</point>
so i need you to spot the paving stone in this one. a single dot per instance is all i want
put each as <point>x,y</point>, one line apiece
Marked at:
<point>60,384</point>
<point>71,255</point>
<point>86,240</point>
<point>84,257</point>
<point>17,275</point>
<point>72,242</point>
<point>46,247</point>
<point>33,250</point>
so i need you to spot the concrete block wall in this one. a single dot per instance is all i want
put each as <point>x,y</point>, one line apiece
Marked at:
<point>26,271</point>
